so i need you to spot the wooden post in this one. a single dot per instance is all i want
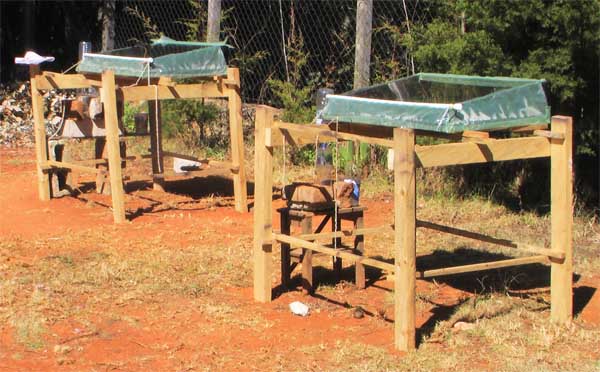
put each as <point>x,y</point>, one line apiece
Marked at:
<point>156,150</point>
<point>109,99</point>
<point>263,193</point>
<point>213,28</point>
<point>561,281</point>
<point>404,238</point>
<point>41,144</point>
<point>307,256</point>
<point>237,140</point>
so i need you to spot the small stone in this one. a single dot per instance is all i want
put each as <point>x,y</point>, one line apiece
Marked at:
<point>62,349</point>
<point>358,312</point>
<point>463,326</point>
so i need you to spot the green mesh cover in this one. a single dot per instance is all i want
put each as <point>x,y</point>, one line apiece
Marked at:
<point>443,103</point>
<point>178,59</point>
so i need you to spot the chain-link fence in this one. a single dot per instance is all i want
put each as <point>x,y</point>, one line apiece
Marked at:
<point>306,42</point>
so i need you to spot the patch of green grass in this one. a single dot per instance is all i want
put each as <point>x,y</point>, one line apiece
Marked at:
<point>29,329</point>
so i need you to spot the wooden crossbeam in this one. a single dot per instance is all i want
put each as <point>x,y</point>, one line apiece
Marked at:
<point>481,151</point>
<point>528,128</point>
<point>483,266</point>
<point>179,91</point>
<point>489,151</point>
<point>549,134</point>
<point>54,80</point>
<point>301,243</point>
<point>304,134</point>
<point>77,167</point>
<point>488,239</point>
<point>424,274</point>
<point>347,233</point>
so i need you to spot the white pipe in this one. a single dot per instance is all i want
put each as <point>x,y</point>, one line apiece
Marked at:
<point>108,56</point>
<point>455,106</point>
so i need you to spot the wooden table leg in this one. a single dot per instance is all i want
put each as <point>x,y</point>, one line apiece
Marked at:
<point>101,178</point>
<point>285,249</point>
<point>307,268</point>
<point>336,224</point>
<point>158,177</point>
<point>359,248</point>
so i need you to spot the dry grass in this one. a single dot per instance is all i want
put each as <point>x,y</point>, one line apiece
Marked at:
<point>136,271</point>
<point>79,275</point>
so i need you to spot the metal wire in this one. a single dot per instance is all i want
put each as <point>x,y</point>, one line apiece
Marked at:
<point>254,29</point>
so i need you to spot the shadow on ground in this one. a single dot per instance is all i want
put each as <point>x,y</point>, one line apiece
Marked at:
<point>527,281</point>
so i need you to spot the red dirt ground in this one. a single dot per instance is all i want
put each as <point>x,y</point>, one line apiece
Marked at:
<point>172,334</point>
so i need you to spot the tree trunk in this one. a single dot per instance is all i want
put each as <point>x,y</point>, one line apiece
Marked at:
<point>107,12</point>
<point>213,29</point>
<point>362,57</point>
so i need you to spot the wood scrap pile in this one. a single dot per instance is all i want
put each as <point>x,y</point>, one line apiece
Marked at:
<point>16,120</point>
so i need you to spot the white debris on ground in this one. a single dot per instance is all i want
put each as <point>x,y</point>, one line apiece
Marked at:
<point>16,120</point>
<point>298,308</point>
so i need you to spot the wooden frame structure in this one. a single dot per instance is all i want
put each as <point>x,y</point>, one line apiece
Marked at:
<point>113,89</point>
<point>474,147</point>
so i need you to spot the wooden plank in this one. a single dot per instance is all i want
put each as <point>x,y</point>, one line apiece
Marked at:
<point>54,80</point>
<point>561,209</point>
<point>427,156</point>
<point>263,229</point>
<point>105,161</point>
<point>348,233</point>
<point>303,134</point>
<point>237,141</point>
<point>482,266</point>
<point>298,242</point>
<point>470,153</point>
<point>489,239</point>
<point>72,166</point>
<point>179,91</point>
<point>404,239</point>
<point>39,130</point>
<point>549,134</point>
<point>351,257</point>
<point>475,134</point>
<point>156,149</point>
<point>112,142</point>
<point>529,128</point>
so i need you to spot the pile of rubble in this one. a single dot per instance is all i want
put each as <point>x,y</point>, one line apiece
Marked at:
<point>16,120</point>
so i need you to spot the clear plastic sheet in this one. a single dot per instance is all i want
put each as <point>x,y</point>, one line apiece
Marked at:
<point>443,103</point>
<point>178,59</point>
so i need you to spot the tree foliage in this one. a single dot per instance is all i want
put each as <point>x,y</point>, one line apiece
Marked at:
<point>555,40</point>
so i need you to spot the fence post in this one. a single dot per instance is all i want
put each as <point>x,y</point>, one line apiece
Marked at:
<point>107,11</point>
<point>213,28</point>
